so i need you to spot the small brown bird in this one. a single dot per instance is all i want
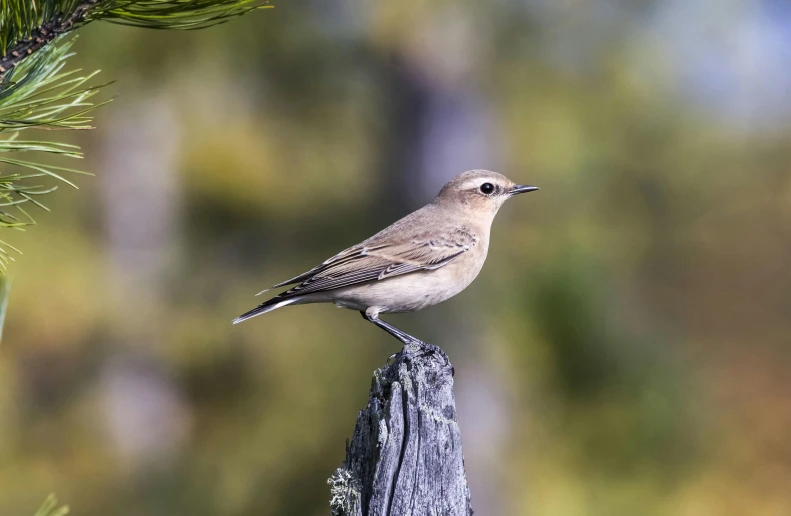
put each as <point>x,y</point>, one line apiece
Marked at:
<point>429,256</point>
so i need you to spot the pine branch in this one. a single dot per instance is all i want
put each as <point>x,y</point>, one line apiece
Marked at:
<point>36,92</point>
<point>48,29</point>
<point>26,26</point>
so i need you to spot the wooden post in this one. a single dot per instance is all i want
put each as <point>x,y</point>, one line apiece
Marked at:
<point>405,456</point>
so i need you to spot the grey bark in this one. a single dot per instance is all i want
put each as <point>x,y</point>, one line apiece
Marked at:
<point>405,457</point>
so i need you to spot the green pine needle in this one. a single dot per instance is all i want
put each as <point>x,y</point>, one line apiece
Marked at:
<point>173,14</point>
<point>50,505</point>
<point>5,291</point>
<point>38,94</point>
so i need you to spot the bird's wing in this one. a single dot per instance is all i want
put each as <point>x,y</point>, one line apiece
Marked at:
<point>376,261</point>
<point>342,257</point>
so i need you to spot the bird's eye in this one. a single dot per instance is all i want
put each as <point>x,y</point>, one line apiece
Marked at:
<point>487,188</point>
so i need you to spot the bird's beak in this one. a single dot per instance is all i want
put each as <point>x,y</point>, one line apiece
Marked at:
<point>517,189</point>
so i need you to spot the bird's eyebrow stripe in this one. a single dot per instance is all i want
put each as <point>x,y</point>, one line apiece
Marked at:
<point>474,184</point>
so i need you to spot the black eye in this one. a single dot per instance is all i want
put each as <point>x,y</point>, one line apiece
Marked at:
<point>487,188</point>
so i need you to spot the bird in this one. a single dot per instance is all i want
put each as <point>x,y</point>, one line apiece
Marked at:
<point>425,258</point>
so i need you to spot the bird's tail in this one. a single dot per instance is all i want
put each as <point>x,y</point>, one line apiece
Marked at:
<point>266,306</point>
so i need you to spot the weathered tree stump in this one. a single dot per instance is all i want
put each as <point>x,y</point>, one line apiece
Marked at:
<point>405,456</point>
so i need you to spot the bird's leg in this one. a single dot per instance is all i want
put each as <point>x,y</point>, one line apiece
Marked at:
<point>408,340</point>
<point>401,335</point>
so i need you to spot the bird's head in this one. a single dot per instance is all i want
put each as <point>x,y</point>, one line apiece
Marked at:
<point>480,191</point>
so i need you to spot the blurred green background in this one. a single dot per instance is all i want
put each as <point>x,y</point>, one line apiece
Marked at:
<point>624,351</point>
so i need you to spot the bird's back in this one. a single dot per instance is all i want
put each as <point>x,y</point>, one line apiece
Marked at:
<point>432,222</point>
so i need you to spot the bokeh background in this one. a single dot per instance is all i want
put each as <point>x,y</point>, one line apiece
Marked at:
<point>624,351</point>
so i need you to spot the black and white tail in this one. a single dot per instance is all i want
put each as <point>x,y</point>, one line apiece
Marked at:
<point>266,306</point>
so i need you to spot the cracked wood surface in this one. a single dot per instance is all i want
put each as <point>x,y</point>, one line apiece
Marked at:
<point>405,456</point>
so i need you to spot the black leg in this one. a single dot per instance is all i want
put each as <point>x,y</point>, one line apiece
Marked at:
<point>407,339</point>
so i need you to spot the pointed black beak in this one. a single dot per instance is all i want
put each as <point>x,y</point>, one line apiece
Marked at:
<point>517,189</point>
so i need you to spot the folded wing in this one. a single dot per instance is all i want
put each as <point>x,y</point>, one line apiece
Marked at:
<point>372,261</point>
